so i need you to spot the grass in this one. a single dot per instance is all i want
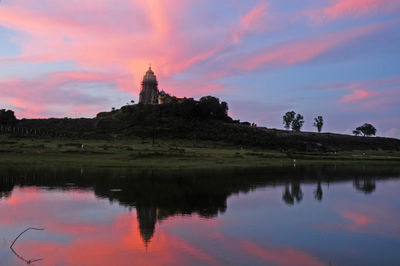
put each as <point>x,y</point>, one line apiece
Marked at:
<point>166,154</point>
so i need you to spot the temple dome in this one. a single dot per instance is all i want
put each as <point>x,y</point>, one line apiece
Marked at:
<point>149,76</point>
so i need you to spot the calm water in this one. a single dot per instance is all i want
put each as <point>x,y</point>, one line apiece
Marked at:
<point>300,216</point>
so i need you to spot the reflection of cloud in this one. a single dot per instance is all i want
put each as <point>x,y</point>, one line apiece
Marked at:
<point>75,235</point>
<point>358,219</point>
<point>250,250</point>
<point>368,219</point>
<point>280,256</point>
<point>113,239</point>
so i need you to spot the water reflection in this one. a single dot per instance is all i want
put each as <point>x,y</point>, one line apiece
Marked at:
<point>293,193</point>
<point>318,193</point>
<point>61,198</point>
<point>366,185</point>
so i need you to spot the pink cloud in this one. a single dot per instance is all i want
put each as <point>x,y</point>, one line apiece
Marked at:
<point>341,8</point>
<point>358,95</point>
<point>125,36</point>
<point>376,95</point>
<point>139,33</point>
<point>377,101</point>
<point>254,20</point>
<point>59,93</point>
<point>254,17</point>
<point>293,52</point>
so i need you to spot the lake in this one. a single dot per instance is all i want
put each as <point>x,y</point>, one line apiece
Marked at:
<point>325,215</point>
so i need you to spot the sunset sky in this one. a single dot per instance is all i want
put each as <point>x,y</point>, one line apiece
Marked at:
<point>335,58</point>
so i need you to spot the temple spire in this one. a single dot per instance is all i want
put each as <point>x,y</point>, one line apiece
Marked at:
<point>149,92</point>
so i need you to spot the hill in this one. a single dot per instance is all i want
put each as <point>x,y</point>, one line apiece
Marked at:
<point>206,119</point>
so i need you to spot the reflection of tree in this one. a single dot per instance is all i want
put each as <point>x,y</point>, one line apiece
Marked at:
<point>5,189</point>
<point>292,194</point>
<point>366,185</point>
<point>287,196</point>
<point>318,192</point>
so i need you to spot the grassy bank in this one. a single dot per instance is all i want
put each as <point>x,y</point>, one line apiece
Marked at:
<point>167,154</point>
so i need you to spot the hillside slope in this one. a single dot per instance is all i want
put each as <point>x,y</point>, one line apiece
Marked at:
<point>206,119</point>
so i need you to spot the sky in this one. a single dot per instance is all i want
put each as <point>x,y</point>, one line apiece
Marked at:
<point>335,58</point>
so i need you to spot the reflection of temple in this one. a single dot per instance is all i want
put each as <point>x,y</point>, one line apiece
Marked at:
<point>147,218</point>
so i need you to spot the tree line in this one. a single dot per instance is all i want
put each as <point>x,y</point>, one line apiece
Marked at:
<point>295,122</point>
<point>209,107</point>
<point>7,117</point>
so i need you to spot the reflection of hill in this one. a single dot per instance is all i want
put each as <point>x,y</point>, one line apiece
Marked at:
<point>158,195</point>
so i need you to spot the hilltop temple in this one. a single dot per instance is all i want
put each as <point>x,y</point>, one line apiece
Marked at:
<point>150,94</point>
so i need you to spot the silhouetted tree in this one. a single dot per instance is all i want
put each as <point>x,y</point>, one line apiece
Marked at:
<point>297,123</point>
<point>367,130</point>
<point>356,132</point>
<point>288,119</point>
<point>209,107</point>
<point>7,117</point>
<point>318,123</point>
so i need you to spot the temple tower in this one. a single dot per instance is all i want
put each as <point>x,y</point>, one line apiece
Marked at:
<point>149,92</point>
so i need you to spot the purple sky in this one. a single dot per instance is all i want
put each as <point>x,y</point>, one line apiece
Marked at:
<point>335,58</point>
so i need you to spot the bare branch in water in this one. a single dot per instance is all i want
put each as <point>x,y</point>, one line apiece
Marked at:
<point>15,240</point>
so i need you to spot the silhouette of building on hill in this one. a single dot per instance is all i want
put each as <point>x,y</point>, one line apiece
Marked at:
<point>150,93</point>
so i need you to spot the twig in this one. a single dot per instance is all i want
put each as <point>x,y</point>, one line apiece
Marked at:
<point>30,228</point>
<point>15,240</point>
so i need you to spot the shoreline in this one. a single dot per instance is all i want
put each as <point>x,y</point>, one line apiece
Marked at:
<point>171,154</point>
<point>120,161</point>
